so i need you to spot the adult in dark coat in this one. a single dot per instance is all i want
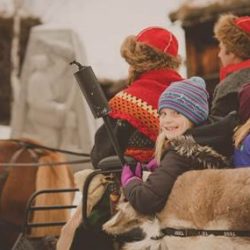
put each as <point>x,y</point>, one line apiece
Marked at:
<point>153,61</point>
<point>233,34</point>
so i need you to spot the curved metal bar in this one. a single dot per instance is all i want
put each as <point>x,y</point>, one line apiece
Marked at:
<point>30,208</point>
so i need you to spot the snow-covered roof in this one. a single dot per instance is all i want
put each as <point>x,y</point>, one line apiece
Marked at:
<point>7,8</point>
<point>102,25</point>
<point>192,12</point>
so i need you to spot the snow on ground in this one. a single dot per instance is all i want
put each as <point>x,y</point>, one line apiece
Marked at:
<point>4,132</point>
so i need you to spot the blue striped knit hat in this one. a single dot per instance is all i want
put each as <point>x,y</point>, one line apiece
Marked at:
<point>188,97</point>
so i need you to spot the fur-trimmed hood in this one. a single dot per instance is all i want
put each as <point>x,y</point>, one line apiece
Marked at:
<point>202,157</point>
<point>182,155</point>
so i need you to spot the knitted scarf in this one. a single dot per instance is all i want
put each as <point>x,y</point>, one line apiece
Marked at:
<point>138,103</point>
<point>225,71</point>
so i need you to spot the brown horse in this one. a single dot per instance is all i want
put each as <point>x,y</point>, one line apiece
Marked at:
<point>17,183</point>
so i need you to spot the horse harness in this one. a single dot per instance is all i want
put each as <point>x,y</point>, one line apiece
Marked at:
<point>137,234</point>
<point>191,232</point>
<point>36,151</point>
<point>6,169</point>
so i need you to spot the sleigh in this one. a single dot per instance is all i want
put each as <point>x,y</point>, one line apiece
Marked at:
<point>195,215</point>
<point>203,207</point>
<point>207,209</point>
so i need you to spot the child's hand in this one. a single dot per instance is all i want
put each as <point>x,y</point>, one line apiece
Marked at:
<point>128,175</point>
<point>151,165</point>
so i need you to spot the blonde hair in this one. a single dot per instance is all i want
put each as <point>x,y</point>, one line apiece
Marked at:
<point>162,142</point>
<point>161,145</point>
<point>241,132</point>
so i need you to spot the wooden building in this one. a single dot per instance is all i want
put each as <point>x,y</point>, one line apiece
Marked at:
<point>6,34</point>
<point>201,46</point>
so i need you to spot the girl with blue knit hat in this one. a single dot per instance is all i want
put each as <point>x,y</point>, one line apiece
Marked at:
<point>182,108</point>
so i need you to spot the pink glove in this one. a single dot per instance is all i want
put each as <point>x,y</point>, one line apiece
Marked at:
<point>151,165</point>
<point>128,175</point>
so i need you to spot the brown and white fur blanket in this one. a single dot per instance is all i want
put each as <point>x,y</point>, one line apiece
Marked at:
<point>203,199</point>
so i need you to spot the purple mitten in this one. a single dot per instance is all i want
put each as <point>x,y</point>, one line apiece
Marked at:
<point>151,165</point>
<point>138,170</point>
<point>128,175</point>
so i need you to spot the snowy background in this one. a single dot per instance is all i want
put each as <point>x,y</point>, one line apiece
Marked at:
<point>101,27</point>
<point>4,132</point>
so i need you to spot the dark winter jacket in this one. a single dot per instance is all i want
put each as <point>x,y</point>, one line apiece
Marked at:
<point>134,117</point>
<point>184,154</point>
<point>225,97</point>
<point>217,133</point>
<point>127,136</point>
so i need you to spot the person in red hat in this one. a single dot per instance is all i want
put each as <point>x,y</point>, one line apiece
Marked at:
<point>241,157</point>
<point>233,34</point>
<point>153,61</point>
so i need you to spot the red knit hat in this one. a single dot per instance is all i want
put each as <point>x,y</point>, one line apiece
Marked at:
<point>159,38</point>
<point>244,103</point>
<point>243,23</point>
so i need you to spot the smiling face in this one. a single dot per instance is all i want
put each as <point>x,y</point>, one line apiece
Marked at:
<point>173,124</point>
